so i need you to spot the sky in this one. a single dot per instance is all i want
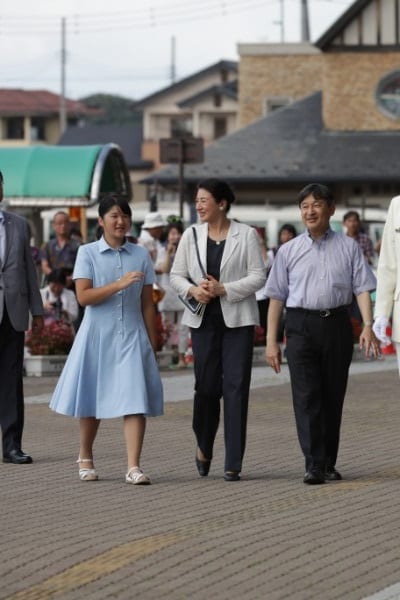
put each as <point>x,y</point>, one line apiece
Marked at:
<point>133,48</point>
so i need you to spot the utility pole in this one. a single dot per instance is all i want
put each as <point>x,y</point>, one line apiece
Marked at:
<point>305,27</point>
<point>63,112</point>
<point>281,21</point>
<point>173,60</point>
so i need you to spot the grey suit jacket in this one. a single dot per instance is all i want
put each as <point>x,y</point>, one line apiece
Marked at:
<point>19,288</point>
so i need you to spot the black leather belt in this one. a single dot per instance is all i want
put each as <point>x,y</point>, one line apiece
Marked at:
<point>323,313</point>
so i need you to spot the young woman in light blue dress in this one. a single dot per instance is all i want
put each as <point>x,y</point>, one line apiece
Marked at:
<point>112,370</point>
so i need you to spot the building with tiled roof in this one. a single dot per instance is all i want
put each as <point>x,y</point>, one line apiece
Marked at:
<point>327,112</point>
<point>33,116</point>
<point>203,104</point>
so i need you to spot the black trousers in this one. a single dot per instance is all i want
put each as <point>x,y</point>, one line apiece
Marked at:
<point>222,367</point>
<point>319,352</point>
<point>11,387</point>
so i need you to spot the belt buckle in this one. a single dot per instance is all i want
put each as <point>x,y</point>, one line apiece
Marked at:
<point>324,313</point>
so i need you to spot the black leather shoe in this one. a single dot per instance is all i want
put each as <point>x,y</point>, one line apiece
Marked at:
<point>314,477</point>
<point>332,475</point>
<point>203,466</point>
<point>17,457</point>
<point>231,476</point>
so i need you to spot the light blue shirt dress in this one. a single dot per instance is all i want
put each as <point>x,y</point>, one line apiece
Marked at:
<point>111,370</point>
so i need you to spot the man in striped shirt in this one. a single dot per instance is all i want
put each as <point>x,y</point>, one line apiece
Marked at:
<point>315,276</point>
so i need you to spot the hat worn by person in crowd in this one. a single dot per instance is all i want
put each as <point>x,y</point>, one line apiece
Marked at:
<point>153,219</point>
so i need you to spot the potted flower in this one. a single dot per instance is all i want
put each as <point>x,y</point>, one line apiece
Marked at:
<point>47,350</point>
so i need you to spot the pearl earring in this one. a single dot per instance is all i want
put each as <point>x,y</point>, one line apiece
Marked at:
<point>221,208</point>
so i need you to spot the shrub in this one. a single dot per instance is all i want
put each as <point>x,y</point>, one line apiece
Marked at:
<point>55,338</point>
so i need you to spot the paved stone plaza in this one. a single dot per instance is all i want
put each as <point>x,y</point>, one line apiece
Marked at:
<point>266,537</point>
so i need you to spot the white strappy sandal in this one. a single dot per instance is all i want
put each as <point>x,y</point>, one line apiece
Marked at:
<point>86,474</point>
<point>137,477</point>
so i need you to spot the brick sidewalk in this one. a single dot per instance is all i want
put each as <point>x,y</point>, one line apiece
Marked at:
<point>185,537</point>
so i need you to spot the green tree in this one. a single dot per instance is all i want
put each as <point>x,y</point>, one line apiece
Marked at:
<point>116,109</point>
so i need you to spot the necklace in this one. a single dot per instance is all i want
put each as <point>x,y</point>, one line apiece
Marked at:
<point>222,234</point>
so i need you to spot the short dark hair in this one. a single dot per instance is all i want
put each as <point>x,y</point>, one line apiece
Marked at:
<point>109,200</point>
<point>318,191</point>
<point>63,214</point>
<point>219,189</point>
<point>1,178</point>
<point>178,226</point>
<point>288,227</point>
<point>351,213</point>
<point>57,276</point>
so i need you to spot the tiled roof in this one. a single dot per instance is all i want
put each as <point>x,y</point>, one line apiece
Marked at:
<point>291,145</point>
<point>37,102</point>
<point>128,137</point>
<point>228,65</point>
<point>227,89</point>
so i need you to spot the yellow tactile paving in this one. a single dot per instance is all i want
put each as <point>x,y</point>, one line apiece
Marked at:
<point>97,567</point>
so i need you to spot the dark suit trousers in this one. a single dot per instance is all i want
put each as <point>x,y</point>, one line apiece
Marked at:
<point>11,388</point>
<point>222,366</point>
<point>319,352</point>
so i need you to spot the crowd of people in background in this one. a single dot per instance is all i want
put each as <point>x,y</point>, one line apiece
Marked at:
<point>161,236</point>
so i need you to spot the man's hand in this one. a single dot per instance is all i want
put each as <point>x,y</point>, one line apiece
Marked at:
<point>273,356</point>
<point>37,324</point>
<point>369,342</point>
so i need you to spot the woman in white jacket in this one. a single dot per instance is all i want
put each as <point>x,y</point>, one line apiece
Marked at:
<point>223,335</point>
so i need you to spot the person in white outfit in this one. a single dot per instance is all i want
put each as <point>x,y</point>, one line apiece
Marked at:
<point>224,273</point>
<point>59,303</point>
<point>150,237</point>
<point>170,307</point>
<point>388,280</point>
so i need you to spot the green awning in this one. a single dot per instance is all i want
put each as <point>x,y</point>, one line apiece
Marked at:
<point>63,175</point>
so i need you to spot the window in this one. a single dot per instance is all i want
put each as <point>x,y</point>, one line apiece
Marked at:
<point>217,99</point>
<point>388,95</point>
<point>181,127</point>
<point>220,127</point>
<point>15,129</point>
<point>37,129</point>
<point>274,102</point>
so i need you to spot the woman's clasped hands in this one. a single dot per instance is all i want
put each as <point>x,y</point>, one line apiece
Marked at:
<point>207,290</point>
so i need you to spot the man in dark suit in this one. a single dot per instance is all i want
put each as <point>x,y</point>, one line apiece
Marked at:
<point>19,295</point>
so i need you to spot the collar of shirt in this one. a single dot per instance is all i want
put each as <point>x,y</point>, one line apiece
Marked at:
<point>319,275</point>
<point>103,246</point>
<point>328,233</point>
